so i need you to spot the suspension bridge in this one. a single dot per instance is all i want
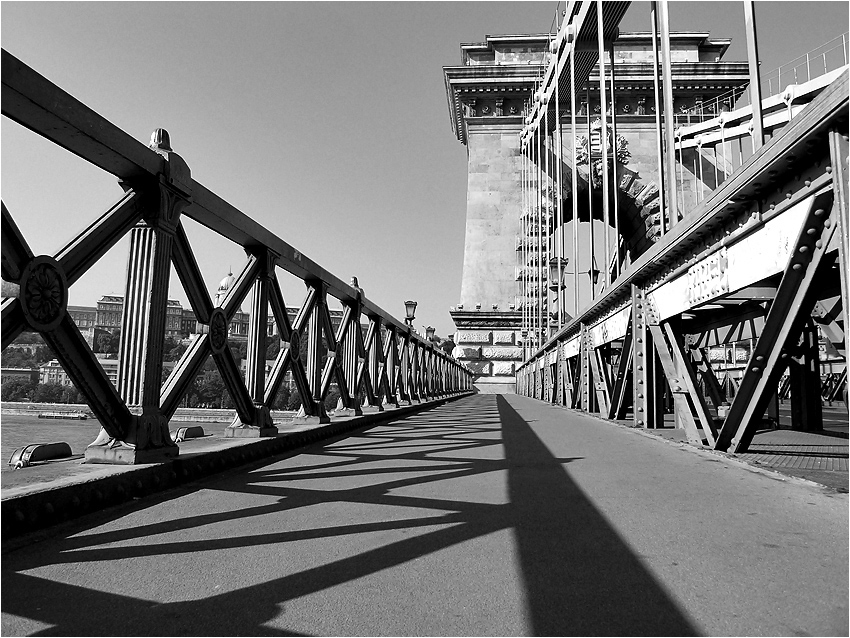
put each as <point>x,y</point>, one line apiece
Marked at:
<point>582,464</point>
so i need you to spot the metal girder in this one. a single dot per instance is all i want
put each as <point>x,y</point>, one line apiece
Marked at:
<point>569,383</point>
<point>37,104</point>
<point>734,194</point>
<point>13,322</point>
<point>839,158</point>
<point>82,252</point>
<point>289,357</point>
<point>623,384</point>
<point>314,344</point>
<point>236,294</point>
<point>88,377</point>
<point>702,365</point>
<point>183,374</point>
<point>729,324</point>
<point>786,315</point>
<point>677,385</point>
<point>255,371</point>
<point>229,370</point>
<point>687,375</point>
<point>804,374</point>
<point>643,360</point>
<point>585,380</point>
<point>16,252</point>
<point>190,276</point>
<point>368,369</point>
<point>600,380</point>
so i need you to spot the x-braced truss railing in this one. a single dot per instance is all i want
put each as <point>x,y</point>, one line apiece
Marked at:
<point>762,258</point>
<point>390,365</point>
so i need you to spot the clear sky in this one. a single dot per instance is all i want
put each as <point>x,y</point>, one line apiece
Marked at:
<point>326,122</point>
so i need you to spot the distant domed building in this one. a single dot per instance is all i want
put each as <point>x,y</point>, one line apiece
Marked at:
<point>223,287</point>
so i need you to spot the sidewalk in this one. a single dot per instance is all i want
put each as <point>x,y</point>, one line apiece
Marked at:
<point>52,492</point>
<point>491,515</point>
<point>821,457</point>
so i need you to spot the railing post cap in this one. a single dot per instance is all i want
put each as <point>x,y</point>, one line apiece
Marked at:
<point>160,140</point>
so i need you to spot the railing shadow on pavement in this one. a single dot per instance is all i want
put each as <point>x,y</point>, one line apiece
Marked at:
<point>579,576</point>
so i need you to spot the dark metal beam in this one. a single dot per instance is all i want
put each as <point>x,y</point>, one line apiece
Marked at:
<point>785,317</point>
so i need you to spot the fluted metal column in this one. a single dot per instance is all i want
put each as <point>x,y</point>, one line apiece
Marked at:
<point>143,321</point>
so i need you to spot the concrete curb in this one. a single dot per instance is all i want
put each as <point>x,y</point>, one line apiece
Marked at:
<point>726,456</point>
<point>35,507</point>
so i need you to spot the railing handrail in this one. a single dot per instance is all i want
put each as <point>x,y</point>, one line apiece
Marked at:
<point>653,262</point>
<point>391,360</point>
<point>77,128</point>
<point>770,103</point>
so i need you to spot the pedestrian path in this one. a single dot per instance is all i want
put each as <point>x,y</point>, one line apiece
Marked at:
<point>490,515</point>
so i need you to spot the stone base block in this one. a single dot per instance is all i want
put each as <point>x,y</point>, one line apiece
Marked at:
<point>127,455</point>
<point>248,432</point>
<point>311,420</point>
<point>347,412</point>
<point>372,409</point>
<point>495,385</point>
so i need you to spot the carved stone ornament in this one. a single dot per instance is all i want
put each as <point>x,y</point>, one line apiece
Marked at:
<point>43,293</point>
<point>294,345</point>
<point>218,331</point>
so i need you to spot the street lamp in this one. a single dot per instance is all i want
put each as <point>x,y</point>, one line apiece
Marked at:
<point>556,272</point>
<point>593,272</point>
<point>410,312</point>
<point>429,333</point>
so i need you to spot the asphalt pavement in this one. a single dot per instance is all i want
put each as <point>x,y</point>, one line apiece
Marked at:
<point>491,515</point>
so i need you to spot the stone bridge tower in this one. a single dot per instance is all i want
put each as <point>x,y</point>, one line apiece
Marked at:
<point>486,96</point>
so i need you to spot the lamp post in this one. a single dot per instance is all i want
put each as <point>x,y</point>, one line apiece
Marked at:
<point>524,344</point>
<point>429,333</point>
<point>556,284</point>
<point>593,272</point>
<point>409,312</point>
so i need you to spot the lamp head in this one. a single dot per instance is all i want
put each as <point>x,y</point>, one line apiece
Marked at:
<point>410,310</point>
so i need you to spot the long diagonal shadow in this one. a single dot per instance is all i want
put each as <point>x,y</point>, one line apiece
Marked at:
<point>580,577</point>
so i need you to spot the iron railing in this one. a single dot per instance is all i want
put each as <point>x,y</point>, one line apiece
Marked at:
<point>389,365</point>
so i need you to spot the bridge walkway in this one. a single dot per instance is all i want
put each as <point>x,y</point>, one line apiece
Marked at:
<point>493,515</point>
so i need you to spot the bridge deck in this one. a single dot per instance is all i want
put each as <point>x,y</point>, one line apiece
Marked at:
<point>490,515</point>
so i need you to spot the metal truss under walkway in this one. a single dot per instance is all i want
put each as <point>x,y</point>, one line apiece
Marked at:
<point>489,515</point>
